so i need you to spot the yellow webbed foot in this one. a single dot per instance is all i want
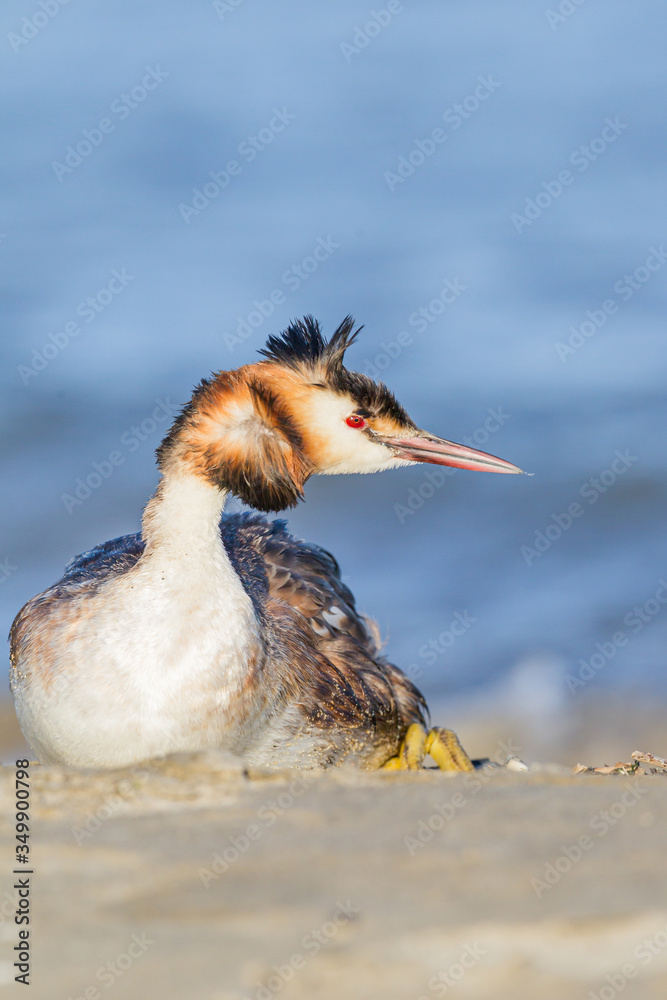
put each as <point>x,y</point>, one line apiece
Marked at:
<point>440,744</point>
<point>444,747</point>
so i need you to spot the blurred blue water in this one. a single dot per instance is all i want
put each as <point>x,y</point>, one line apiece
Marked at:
<point>335,106</point>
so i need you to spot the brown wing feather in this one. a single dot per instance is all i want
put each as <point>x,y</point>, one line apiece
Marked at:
<point>343,680</point>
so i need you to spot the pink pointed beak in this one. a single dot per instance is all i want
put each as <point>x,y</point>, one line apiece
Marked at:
<point>423,447</point>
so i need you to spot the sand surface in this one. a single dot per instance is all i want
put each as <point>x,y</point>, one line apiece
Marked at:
<point>193,878</point>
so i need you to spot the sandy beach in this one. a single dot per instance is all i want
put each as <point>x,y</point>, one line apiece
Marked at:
<point>195,877</point>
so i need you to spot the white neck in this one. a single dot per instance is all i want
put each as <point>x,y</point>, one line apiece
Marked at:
<point>187,563</point>
<point>182,520</point>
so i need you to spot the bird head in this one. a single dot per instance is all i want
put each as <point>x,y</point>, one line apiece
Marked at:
<point>261,431</point>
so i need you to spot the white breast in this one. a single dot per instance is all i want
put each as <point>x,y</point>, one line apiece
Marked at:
<point>152,662</point>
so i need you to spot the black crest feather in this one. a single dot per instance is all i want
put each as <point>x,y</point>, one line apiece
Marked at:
<point>302,344</point>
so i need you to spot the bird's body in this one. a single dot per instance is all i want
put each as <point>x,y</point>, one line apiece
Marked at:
<point>207,630</point>
<point>310,688</point>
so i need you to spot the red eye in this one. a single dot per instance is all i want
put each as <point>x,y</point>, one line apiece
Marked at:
<point>355,421</point>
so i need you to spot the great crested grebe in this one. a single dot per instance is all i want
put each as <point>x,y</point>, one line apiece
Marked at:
<point>218,631</point>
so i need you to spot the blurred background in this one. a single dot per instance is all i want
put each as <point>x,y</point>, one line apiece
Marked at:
<point>482,186</point>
